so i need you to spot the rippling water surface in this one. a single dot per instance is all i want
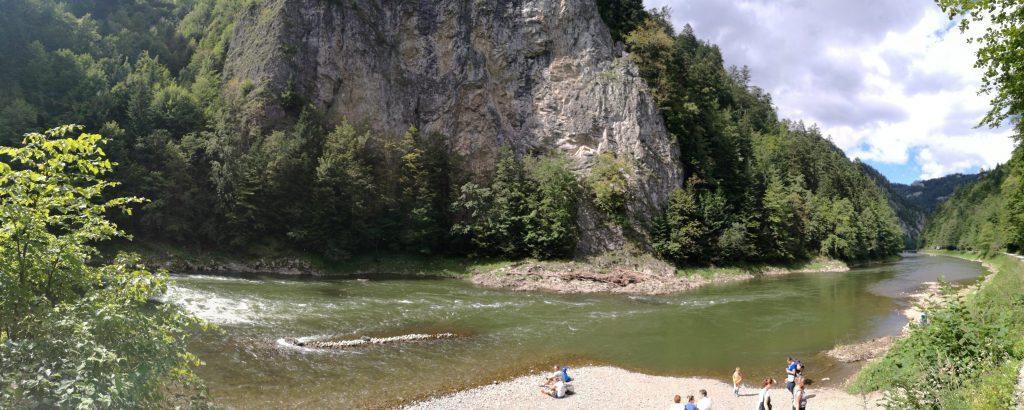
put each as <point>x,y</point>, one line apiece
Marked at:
<point>707,332</point>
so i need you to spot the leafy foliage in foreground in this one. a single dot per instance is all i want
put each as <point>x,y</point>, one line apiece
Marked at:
<point>75,331</point>
<point>966,356</point>
<point>1000,54</point>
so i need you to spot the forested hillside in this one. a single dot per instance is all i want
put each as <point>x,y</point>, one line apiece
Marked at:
<point>150,76</point>
<point>983,216</point>
<point>916,202</point>
<point>912,218</point>
<point>928,194</point>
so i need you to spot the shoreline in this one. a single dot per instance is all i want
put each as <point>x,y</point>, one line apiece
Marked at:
<point>612,273</point>
<point>644,275</point>
<point>613,387</point>
<point>929,294</point>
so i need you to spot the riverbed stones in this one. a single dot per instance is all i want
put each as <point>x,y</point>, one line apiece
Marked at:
<point>368,341</point>
<point>862,351</point>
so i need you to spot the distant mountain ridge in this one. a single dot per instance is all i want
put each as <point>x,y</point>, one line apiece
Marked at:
<point>916,202</point>
<point>929,194</point>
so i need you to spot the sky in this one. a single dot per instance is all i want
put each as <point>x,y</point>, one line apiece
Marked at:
<point>891,82</point>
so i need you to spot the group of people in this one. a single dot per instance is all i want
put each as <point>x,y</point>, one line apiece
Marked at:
<point>557,385</point>
<point>703,404</point>
<point>796,383</point>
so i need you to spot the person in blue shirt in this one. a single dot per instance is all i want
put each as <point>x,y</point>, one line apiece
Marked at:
<point>790,374</point>
<point>690,405</point>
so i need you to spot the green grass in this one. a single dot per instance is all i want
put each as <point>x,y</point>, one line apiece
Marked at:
<point>969,353</point>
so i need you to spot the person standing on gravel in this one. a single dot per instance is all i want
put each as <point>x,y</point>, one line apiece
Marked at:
<point>791,374</point>
<point>799,397</point>
<point>764,400</point>
<point>737,378</point>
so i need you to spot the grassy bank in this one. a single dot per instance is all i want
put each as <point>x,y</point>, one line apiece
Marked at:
<point>967,355</point>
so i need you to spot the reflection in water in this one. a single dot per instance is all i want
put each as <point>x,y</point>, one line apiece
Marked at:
<point>707,332</point>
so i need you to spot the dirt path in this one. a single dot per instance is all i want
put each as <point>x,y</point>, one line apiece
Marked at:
<point>614,388</point>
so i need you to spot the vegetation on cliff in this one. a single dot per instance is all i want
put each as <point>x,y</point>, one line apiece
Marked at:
<point>177,128</point>
<point>758,188</point>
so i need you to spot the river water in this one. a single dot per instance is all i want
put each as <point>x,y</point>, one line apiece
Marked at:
<point>707,332</point>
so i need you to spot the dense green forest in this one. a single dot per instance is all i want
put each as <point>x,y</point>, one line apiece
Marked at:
<point>988,215</point>
<point>758,188</point>
<point>915,203</point>
<point>146,75</point>
<point>983,216</point>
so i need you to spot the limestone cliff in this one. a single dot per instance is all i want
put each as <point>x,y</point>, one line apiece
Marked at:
<point>538,75</point>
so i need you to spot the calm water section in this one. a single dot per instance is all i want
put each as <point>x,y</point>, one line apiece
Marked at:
<point>707,332</point>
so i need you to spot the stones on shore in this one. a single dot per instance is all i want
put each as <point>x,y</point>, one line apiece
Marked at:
<point>320,343</point>
<point>862,351</point>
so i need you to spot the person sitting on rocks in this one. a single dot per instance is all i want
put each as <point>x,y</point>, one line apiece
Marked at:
<point>677,403</point>
<point>557,390</point>
<point>690,405</point>
<point>558,374</point>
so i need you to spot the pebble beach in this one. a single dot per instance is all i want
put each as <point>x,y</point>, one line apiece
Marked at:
<point>602,387</point>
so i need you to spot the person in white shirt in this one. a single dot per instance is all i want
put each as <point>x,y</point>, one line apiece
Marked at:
<point>764,400</point>
<point>705,402</point>
<point>557,390</point>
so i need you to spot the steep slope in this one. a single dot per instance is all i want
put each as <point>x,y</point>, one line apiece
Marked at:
<point>539,76</point>
<point>916,203</point>
<point>927,195</point>
<point>469,128</point>
<point>979,215</point>
<point>912,217</point>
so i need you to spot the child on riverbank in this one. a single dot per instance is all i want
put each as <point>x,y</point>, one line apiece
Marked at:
<point>737,378</point>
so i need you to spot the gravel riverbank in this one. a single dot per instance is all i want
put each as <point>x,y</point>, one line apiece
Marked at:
<point>643,276</point>
<point>602,387</point>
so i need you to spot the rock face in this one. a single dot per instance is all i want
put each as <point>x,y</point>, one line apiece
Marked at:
<point>537,75</point>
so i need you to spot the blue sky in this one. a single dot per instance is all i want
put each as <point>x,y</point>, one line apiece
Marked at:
<point>891,82</point>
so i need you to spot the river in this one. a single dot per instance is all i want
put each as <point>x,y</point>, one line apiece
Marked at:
<point>707,332</point>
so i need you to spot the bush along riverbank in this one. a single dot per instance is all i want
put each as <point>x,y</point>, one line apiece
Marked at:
<point>967,353</point>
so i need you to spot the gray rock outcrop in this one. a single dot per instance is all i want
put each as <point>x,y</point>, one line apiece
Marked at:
<point>537,75</point>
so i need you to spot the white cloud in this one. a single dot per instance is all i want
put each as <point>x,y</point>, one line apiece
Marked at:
<point>889,81</point>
